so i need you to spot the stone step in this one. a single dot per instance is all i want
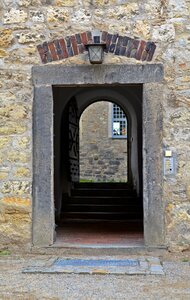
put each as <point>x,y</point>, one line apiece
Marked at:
<point>102,185</point>
<point>107,200</point>
<point>103,208</point>
<point>103,192</point>
<point>102,215</point>
<point>85,251</point>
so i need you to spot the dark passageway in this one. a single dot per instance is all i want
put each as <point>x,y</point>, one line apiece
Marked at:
<point>108,212</point>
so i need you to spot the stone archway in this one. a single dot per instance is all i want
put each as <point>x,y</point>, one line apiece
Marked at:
<point>44,78</point>
<point>104,135</point>
<point>120,98</point>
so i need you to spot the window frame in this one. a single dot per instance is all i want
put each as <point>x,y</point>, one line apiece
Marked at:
<point>119,119</point>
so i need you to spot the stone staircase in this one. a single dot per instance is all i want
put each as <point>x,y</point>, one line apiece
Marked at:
<point>102,201</point>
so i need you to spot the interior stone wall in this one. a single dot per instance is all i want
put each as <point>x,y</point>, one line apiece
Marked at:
<point>102,158</point>
<point>25,24</point>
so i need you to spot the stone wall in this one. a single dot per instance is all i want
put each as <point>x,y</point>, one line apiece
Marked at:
<point>102,158</point>
<point>26,23</point>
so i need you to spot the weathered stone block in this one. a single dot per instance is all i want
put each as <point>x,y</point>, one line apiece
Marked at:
<point>164,33</point>
<point>123,12</point>
<point>29,37</point>
<point>178,226</point>
<point>3,175</point>
<point>16,204</point>
<point>15,221</point>
<point>103,2</point>
<point>82,16</point>
<point>22,142</point>
<point>4,142</point>
<point>66,2</point>
<point>16,187</point>
<point>7,2</point>
<point>24,3</point>
<point>3,53</point>
<point>57,14</point>
<point>142,29</point>
<point>15,16</point>
<point>6,37</point>
<point>17,156</point>
<point>10,127</point>
<point>13,81</point>
<point>36,16</point>
<point>24,56</point>
<point>22,172</point>
<point>46,2</point>
<point>13,112</point>
<point>178,8</point>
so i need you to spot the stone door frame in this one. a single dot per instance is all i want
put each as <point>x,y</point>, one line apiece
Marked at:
<point>44,78</point>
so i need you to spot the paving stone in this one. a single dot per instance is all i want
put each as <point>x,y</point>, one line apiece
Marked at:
<point>156,270</point>
<point>100,266</point>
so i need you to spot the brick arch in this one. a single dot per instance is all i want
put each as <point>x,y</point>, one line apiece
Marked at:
<point>116,44</point>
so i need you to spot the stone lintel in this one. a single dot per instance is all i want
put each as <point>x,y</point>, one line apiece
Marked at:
<point>97,74</point>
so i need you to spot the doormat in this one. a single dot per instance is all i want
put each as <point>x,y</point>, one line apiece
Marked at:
<point>142,266</point>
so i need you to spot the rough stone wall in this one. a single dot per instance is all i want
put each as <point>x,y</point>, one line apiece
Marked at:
<point>102,158</point>
<point>26,23</point>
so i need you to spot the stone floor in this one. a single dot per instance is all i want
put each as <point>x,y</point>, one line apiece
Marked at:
<point>117,233</point>
<point>15,285</point>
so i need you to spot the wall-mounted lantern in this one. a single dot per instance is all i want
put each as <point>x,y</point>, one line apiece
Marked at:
<point>95,50</point>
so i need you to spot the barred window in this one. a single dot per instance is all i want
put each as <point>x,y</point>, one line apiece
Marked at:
<point>119,122</point>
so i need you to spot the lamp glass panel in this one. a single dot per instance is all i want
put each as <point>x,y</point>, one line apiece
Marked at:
<point>95,53</point>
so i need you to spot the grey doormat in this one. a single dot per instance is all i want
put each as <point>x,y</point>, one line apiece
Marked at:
<point>142,266</point>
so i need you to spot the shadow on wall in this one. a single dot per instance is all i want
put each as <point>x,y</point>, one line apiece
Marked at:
<point>103,155</point>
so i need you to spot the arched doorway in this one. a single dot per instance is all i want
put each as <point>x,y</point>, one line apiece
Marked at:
<point>82,204</point>
<point>103,143</point>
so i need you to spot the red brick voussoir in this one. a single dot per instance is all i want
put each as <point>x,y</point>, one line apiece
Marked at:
<point>116,44</point>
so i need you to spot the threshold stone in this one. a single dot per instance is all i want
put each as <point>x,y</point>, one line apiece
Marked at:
<point>141,266</point>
